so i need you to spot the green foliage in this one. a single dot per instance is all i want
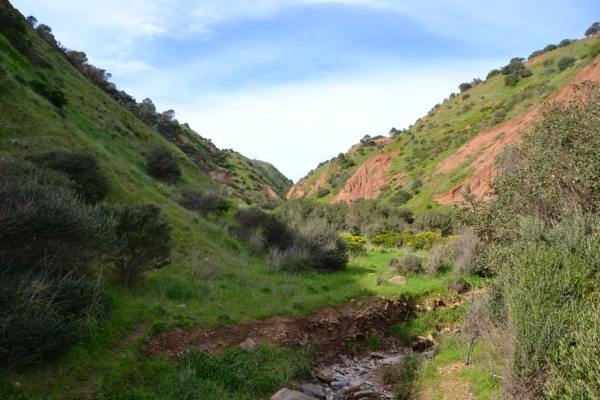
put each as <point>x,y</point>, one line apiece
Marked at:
<point>565,62</point>
<point>163,165</point>
<point>565,42</point>
<point>13,28</point>
<point>511,80</point>
<point>81,168</point>
<point>325,248</point>
<point>466,96</point>
<point>593,49</point>
<point>42,313</point>
<point>404,377</point>
<point>42,222</point>
<point>144,241</point>
<point>535,54</point>
<point>401,197</point>
<point>492,73</point>
<point>436,221</point>
<point>464,86</point>
<point>322,192</point>
<point>273,232</point>
<point>593,29</point>
<point>203,202</point>
<point>410,264</point>
<point>550,47</point>
<point>356,244</point>
<point>53,94</point>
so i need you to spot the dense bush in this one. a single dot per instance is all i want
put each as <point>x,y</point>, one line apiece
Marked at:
<point>163,165</point>
<point>592,30</point>
<point>42,313</point>
<point>511,80</point>
<point>144,241</point>
<point>325,248</point>
<point>464,86</point>
<point>436,221</point>
<point>565,62</point>
<point>81,168</point>
<point>492,73</point>
<point>273,232</point>
<point>322,192</point>
<point>356,244</point>
<point>42,222</point>
<point>550,47</point>
<point>410,264</point>
<point>400,197</point>
<point>565,42</point>
<point>53,94</point>
<point>203,202</point>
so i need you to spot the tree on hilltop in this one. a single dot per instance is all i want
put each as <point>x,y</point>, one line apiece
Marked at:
<point>592,30</point>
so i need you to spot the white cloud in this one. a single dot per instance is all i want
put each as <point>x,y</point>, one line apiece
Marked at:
<point>296,126</point>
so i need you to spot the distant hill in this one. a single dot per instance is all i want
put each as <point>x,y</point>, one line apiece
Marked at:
<point>100,118</point>
<point>454,144</point>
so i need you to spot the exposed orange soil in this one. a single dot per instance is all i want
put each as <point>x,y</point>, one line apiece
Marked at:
<point>536,59</point>
<point>321,181</point>
<point>494,141</point>
<point>269,191</point>
<point>367,179</point>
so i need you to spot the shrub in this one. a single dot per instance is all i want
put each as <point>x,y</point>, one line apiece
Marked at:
<point>535,54</point>
<point>437,221</point>
<point>492,73</point>
<point>410,264</point>
<point>464,252</point>
<point>420,241</point>
<point>325,248</point>
<point>466,96</point>
<point>356,244</point>
<point>322,192</point>
<point>548,71</point>
<point>550,47</point>
<point>464,86</point>
<point>565,62</point>
<point>437,259</point>
<point>274,233</point>
<point>42,222</point>
<point>163,165</point>
<point>498,117</point>
<point>144,238</point>
<point>81,168</point>
<point>404,377</point>
<point>592,30</point>
<point>526,73</point>
<point>565,42</point>
<point>42,313</point>
<point>593,50</point>
<point>511,80</point>
<point>401,197</point>
<point>387,239</point>
<point>458,285</point>
<point>210,201</point>
<point>53,94</point>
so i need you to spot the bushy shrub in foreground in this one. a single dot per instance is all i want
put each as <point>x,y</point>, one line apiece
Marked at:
<point>435,221</point>
<point>81,168</point>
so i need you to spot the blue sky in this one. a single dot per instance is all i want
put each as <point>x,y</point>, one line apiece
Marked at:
<point>295,82</point>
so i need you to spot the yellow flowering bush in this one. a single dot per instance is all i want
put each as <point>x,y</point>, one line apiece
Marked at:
<point>355,243</point>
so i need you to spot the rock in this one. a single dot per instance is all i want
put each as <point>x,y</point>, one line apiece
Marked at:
<point>429,354</point>
<point>377,354</point>
<point>339,384</point>
<point>248,344</point>
<point>180,306</point>
<point>313,390</point>
<point>380,281</point>
<point>324,376</point>
<point>287,394</point>
<point>398,279</point>
<point>392,360</point>
<point>356,381</point>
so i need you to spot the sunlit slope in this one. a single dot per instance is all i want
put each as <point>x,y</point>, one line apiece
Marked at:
<point>432,161</point>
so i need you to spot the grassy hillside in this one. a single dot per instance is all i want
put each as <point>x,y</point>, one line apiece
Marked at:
<point>423,147</point>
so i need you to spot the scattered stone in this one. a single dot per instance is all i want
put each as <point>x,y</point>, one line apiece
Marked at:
<point>398,279</point>
<point>429,354</point>
<point>380,281</point>
<point>287,394</point>
<point>248,344</point>
<point>356,381</point>
<point>376,354</point>
<point>392,360</point>
<point>313,390</point>
<point>339,384</point>
<point>180,306</point>
<point>324,376</point>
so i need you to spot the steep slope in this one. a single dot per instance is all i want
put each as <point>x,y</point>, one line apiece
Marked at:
<point>455,143</point>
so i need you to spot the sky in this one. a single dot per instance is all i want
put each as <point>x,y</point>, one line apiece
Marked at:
<point>295,82</point>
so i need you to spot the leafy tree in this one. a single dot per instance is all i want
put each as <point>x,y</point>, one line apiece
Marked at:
<point>565,42</point>
<point>465,86</point>
<point>45,33</point>
<point>492,73</point>
<point>144,238</point>
<point>163,165</point>
<point>32,20</point>
<point>565,62</point>
<point>592,30</point>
